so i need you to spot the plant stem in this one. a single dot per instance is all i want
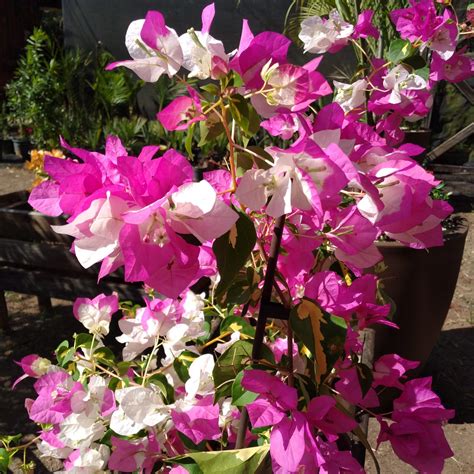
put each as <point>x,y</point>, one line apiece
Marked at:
<point>268,285</point>
<point>291,377</point>
<point>148,362</point>
<point>233,172</point>
<point>23,446</point>
<point>217,339</point>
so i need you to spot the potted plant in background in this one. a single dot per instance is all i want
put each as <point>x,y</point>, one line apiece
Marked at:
<point>207,383</point>
<point>67,92</point>
<point>16,119</point>
<point>20,140</point>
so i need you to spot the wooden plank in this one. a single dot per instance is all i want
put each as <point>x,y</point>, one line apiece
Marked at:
<point>48,256</point>
<point>44,255</point>
<point>460,189</point>
<point>8,199</point>
<point>456,178</point>
<point>466,90</point>
<point>451,142</point>
<point>30,226</point>
<point>19,221</point>
<point>452,169</point>
<point>53,284</point>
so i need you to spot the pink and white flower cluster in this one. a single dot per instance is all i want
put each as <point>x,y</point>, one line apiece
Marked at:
<point>185,376</point>
<point>152,412</point>
<point>395,91</point>
<point>135,212</point>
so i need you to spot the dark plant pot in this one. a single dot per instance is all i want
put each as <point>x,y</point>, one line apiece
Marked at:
<point>422,285</point>
<point>7,146</point>
<point>22,147</point>
<point>421,138</point>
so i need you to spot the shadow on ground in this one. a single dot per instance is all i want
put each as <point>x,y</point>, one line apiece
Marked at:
<point>30,334</point>
<point>33,333</point>
<point>452,367</point>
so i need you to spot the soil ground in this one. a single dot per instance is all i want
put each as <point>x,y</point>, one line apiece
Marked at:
<point>451,363</point>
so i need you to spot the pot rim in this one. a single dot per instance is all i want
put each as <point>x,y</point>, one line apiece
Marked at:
<point>455,234</point>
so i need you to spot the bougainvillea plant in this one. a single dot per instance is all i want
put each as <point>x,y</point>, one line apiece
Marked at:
<point>187,393</point>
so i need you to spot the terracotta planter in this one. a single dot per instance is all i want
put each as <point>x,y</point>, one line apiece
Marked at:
<point>422,285</point>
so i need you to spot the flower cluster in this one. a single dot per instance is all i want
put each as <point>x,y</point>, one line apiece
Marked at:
<point>136,212</point>
<point>177,397</point>
<point>400,89</point>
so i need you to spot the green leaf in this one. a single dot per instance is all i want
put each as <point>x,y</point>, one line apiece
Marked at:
<point>345,10</point>
<point>233,249</point>
<point>181,364</point>
<point>415,62</point>
<point>239,292</point>
<point>338,321</point>
<point>399,50</point>
<point>210,129</point>
<point>244,114</point>
<point>307,386</point>
<point>244,162</point>
<point>235,80</point>
<point>243,288</point>
<point>334,332</point>
<point>9,439</point>
<point>105,356</point>
<point>237,323</point>
<point>83,340</point>
<point>235,461</point>
<point>188,143</point>
<point>123,367</point>
<point>190,239</point>
<point>190,445</point>
<point>423,72</point>
<point>240,396</point>
<point>384,298</point>
<point>211,88</point>
<point>228,365</point>
<point>166,389</point>
<point>307,320</point>
<point>64,353</point>
<point>4,460</point>
<point>190,466</point>
<point>303,329</point>
<point>61,347</point>
<point>207,326</point>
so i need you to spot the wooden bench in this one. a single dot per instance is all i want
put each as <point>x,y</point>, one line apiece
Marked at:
<point>35,260</point>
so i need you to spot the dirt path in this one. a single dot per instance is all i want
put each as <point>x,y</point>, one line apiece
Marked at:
<point>13,177</point>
